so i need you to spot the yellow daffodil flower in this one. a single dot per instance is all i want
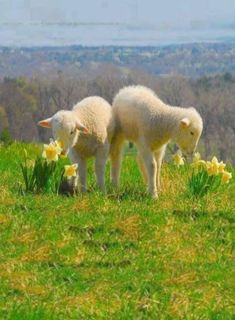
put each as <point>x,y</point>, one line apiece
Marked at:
<point>178,159</point>
<point>70,170</point>
<point>59,143</point>
<point>226,176</point>
<point>196,157</point>
<point>213,166</point>
<point>197,161</point>
<point>221,167</point>
<point>51,151</point>
<point>215,161</point>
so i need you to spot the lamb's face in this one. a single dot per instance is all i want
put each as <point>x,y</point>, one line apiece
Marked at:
<point>64,130</point>
<point>189,133</point>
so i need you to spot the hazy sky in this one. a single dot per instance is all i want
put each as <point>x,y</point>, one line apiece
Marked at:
<point>135,22</point>
<point>153,12</point>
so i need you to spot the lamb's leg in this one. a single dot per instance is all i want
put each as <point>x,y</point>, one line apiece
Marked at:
<point>100,162</point>
<point>151,168</point>
<point>159,154</point>
<point>116,159</point>
<point>159,163</point>
<point>142,168</point>
<point>76,158</point>
<point>82,173</point>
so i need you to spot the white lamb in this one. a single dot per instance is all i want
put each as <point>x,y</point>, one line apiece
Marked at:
<point>85,131</point>
<point>143,118</point>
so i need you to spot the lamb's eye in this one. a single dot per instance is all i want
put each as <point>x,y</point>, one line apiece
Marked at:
<point>192,133</point>
<point>72,132</point>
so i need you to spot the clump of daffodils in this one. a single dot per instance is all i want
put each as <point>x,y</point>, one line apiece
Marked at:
<point>45,174</point>
<point>207,175</point>
<point>213,167</point>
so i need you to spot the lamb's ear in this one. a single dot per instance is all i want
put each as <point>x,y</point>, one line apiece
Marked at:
<point>81,127</point>
<point>45,123</point>
<point>184,123</point>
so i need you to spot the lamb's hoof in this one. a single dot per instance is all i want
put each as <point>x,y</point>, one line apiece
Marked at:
<point>115,184</point>
<point>102,189</point>
<point>155,195</point>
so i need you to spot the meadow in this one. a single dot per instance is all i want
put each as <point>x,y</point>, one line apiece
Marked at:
<point>119,256</point>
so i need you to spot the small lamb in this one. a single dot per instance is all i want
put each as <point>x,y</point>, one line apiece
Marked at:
<point>141,117</point>
<point>85,131</point>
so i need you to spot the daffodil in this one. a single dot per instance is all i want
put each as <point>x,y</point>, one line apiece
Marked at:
<point>226,176</point>
<point>221,167</point>
<point>51,151</point>
<point>70,170</point>
<point>197,161</point>
<point>196,157</point>
<point>178,159</point>
<point>213,166</point>
<point>59,143</point>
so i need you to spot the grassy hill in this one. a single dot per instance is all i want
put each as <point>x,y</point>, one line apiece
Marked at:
<point>119,256</point>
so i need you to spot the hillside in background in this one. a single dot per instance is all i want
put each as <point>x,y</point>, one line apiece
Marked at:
<point>191,60</point>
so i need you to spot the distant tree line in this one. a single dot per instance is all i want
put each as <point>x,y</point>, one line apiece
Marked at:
<point>191,60</point>
<point>25,101</point>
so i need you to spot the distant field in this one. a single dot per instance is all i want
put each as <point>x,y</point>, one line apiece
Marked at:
<point>119,256</point>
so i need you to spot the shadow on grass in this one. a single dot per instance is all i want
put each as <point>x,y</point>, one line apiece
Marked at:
<point>194,214</point>
<point>110,244</point>
<point>105,264</point>
<point>129,193</point>
<point>189,214</point>
<point>88,231</point>
<point>226,215</point>
<point>101,264</point>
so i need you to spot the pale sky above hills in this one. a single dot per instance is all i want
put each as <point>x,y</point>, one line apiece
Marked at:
<point>165,13</point>
<point>135,22</point>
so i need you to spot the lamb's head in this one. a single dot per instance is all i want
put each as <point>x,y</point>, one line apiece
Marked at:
<point>65,128</point>
<point>189,131</point>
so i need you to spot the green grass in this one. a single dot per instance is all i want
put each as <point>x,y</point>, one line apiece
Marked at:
<point>120,256</point>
